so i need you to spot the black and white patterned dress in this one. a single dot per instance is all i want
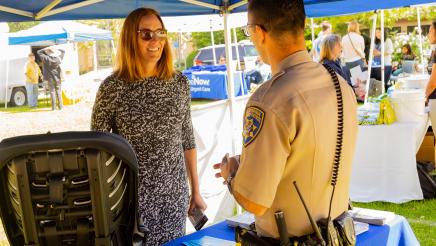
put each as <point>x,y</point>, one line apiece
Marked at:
<point>154,116</point>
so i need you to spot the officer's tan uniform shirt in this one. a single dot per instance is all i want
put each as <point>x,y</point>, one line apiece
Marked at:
<point>290,128</point>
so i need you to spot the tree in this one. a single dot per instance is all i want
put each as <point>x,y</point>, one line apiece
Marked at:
<point>339,23</point>
<point>203,39</point>
<point>18,26</point>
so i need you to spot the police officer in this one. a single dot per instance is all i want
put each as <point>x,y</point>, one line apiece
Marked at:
<point>290,128</point>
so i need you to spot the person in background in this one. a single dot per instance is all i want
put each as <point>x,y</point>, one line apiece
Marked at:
<point>33,73</point>
<point>222,60</point>
<point>260,73</point>
<point>149,103</point>
<point>389,49</point>
<point>289,129</point>
<point>367,41</point>
<point>331,50</point>
<point>406,55</point>
<point>326,29</point>
<point>353,47</point>
<point>51,59</point>
<point>430,91</point>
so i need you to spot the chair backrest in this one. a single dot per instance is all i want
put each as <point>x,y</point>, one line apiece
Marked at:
<point>71,188</point>
<point>408,66</point>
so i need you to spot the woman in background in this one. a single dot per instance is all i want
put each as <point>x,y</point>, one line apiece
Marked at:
<point>353,47</point>
<point>406,55</point>
<point>331,50</point>
<point>389,49</point>
<point>148,103</point>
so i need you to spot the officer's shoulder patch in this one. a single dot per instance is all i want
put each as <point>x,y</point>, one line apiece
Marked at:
<point>253,122</point>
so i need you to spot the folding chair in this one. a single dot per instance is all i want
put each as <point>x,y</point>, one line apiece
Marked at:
<point>71,188</point>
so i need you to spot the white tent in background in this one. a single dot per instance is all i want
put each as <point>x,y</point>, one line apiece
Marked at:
<point>205,23</point>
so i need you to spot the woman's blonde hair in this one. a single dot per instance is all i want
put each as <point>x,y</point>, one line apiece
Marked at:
<point>327,46</point>
<point>353,26</point>
<point>129,61</point>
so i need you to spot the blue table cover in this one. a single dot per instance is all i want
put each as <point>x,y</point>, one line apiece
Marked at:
<point>397,232</point>
<point>211,82</point>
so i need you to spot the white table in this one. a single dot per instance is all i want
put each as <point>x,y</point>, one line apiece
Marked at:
<point>384,165</point>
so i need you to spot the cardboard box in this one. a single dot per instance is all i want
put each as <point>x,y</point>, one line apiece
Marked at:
<point>426,152</point>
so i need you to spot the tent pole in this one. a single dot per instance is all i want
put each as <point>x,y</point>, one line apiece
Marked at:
<point>212,37</point>
<point>70,7</point>
<point>180,47</point>
<point>420,39</point>
<point>230,79</point>
<point>382,30</point>
<point>371,55</point>
<point>47,8</point>
<point>95,56</point>
<point>237,49</point>
<point>6,84</point>
<point>313,37</point>
<point>202,4</point>
<point>16,11</point>
<point>114,49</point>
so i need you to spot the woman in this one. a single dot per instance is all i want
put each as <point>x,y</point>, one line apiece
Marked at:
<point>430,91</point>
<point>331,50</point>
<point>406,55</point>
<point>353,46</point>
<point>389,49</point>
<point>148,103</point>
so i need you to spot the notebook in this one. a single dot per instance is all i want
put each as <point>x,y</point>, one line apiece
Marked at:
<point>371,216</point>
<point>243,220</point>
<point>209,241</point>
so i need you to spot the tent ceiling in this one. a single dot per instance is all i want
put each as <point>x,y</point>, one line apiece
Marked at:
<point>25,10</point>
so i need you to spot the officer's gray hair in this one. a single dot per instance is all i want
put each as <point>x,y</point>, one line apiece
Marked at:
<point>327,46</point>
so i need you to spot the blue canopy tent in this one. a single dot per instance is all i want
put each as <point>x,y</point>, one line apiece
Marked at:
<point>58,32</point>
<point>24,10</point>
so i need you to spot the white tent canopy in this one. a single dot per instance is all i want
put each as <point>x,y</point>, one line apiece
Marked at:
<point>203,23</point>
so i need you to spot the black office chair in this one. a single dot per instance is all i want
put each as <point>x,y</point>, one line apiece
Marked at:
<point>71,188</point>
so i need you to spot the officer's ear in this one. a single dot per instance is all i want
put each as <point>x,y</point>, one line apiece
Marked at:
<point>261,33</point>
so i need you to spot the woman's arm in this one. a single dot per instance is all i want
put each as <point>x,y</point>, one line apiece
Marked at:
<point>431,86</point>
<point>190,153</point>
<point>103,113</point>
<point>191,169</point>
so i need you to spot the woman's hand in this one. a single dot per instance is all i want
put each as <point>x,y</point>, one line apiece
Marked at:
<point>196,202</point>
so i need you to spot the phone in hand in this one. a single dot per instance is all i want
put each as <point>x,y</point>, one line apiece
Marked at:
<point>198,219</point>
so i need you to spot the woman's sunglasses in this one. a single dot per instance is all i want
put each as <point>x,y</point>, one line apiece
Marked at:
<point>148,35</point>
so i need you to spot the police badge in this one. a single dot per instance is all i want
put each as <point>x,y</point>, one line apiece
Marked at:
<point>253,122</point>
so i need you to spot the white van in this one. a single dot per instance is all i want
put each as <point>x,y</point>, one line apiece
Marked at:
<point>247,54</point>
<point>14,58</point>
<point>12,78</point>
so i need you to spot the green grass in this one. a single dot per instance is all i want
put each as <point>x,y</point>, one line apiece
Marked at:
<point>43,104</point>
<point>195,102</point>
<point>420,214</point>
